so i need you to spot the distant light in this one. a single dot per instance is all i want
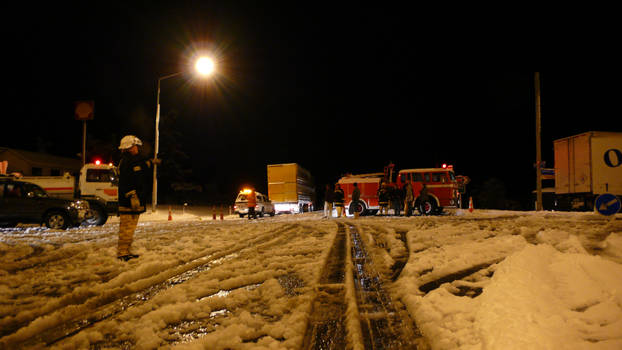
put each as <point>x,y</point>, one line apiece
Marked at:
<point>205,66</point>
<point>444,166</point>
<point>98,162</point>
<point>110,164</point>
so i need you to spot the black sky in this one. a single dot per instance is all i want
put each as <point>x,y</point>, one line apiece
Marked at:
<point>335,88</point>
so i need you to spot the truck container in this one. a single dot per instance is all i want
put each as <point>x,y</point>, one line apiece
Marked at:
<point>290,188</point>
<point>96,183</point>
<point>586,166</point>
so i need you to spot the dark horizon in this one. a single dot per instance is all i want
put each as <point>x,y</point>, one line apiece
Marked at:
<point>340,92</point>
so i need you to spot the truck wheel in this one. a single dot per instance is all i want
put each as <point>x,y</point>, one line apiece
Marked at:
<point>358,207</point>
<point>57,220</point>
<point>261,213</point>
<point>427,207</point>
<point>272,213</point>
<point>99,216</point>
<point>241,215</point>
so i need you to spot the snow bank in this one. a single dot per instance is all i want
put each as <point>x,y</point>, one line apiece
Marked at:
<point>538,298</point>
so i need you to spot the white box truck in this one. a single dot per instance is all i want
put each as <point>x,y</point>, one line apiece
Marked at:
<point>586,166</point>
<point>290,188</point>
<point>97,184</point>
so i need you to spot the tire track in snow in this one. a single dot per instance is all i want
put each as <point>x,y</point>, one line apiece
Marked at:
<point>384,325</point>
<point>110,303</point>
<point>226,311</point>
<point>380,323</point>
<point>326,325</point>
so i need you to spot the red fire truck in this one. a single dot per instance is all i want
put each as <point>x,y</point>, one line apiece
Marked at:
<point>444,189</point>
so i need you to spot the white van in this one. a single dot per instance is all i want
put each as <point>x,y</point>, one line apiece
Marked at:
<point>264,205</point>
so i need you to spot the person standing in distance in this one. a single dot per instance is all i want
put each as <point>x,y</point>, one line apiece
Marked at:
<point>356,196</point>
<point>339,198</point>
<point>133,190</point>
<point>408,198</point>
<point>329,198</point>
<point>383,199</point>
<point>251,204</point>
<point>424,197</point>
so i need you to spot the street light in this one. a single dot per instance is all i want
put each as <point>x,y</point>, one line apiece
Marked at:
<point>205,67</point>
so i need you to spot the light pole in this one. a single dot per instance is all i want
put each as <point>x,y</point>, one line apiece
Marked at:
<point>205,67</point>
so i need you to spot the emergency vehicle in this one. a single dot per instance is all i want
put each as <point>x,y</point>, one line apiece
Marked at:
<point>444,189</point>
<point>264,205</point>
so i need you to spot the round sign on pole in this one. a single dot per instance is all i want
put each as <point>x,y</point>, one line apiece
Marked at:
<point>607,204</point>
<point>84,110</point>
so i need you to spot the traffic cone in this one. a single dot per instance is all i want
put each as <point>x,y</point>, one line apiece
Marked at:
<point>170,216</point>
<point>222,216</point>
<point>470,204</point>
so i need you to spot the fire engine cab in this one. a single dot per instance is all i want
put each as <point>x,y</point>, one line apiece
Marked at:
<point>443,185</point>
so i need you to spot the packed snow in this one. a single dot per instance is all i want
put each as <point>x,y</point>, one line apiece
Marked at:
<point>480,280</point>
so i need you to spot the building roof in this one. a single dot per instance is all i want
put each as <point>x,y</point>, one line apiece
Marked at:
<point>44,159</point>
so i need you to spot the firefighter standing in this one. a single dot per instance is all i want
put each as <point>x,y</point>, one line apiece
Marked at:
<point>383,199</point>
<point>408,198</point>
<point>251,204</point>
<point>328,201</point>
<point>356,195</point>
<point>133,175</point>
<point>339,198</point>
<point>424,197</point>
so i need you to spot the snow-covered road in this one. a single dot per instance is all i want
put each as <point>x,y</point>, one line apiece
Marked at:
<point>482,280</point>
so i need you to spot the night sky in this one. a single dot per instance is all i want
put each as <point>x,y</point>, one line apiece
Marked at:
<point>336,89</point>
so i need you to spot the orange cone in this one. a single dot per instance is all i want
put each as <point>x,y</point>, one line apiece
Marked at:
<point>470,204</point>
<point>170,216</point>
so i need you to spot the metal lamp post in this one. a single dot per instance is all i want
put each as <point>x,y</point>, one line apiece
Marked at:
<point>204,66</point>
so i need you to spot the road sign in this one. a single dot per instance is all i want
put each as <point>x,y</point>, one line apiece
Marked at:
<point>607,204</point>
<point>84,110</point>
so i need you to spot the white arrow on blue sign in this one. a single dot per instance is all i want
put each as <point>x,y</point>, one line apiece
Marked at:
<point>607,204</point>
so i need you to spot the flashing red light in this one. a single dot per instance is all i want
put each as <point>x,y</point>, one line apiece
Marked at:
<point>444,166</point>
<point>98,162</point>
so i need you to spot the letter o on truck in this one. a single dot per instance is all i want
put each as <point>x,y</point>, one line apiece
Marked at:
<point>613,161</point>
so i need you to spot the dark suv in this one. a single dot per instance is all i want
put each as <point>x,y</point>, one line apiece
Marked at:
<point>24,202</point>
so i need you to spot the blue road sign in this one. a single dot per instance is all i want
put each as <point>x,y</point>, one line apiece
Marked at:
<point>607,204</point>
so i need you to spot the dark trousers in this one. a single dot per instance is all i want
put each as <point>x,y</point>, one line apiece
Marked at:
<point>252,213</point>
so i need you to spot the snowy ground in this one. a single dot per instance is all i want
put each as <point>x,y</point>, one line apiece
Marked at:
<point>481,280</point>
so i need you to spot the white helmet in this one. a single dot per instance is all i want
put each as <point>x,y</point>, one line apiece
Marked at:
<point>129,141</point>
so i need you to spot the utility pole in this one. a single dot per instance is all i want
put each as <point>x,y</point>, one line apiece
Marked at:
<point>538,146</point>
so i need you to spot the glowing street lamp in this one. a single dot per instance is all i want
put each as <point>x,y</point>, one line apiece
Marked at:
<point>205,67</point>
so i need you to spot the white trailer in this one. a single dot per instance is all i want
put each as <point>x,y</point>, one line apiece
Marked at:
<point>97,184</point>
<point>586,166</point>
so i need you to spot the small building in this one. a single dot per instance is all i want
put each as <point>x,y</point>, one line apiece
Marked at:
<point>38,164</point>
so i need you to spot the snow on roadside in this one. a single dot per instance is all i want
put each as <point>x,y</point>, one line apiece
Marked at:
<point>551,295</point>
<point>541,284</point>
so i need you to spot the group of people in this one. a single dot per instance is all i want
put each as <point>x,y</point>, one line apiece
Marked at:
<point>387,197</point>
<point>334,196</point>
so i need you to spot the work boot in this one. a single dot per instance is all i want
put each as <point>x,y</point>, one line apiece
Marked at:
<point>128,257</point>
